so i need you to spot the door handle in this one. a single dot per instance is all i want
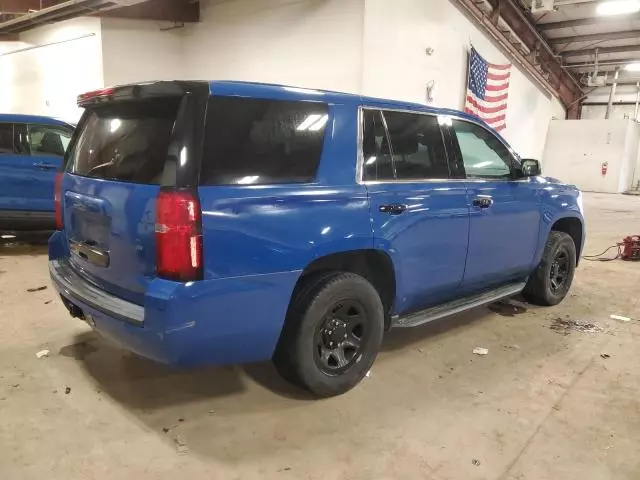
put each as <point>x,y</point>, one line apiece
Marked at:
<point>44,166</point>
<point>482,202</point>
<point>392,209</point>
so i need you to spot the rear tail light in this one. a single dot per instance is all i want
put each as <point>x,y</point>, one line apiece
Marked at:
<point>178,235</point>
<point>57,200</point>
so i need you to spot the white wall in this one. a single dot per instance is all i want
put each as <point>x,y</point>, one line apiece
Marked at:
<point>47,78</point>
<point>396,35</point>
<point>138,50</point>
<point>308,43</point>
<point>592,142</point>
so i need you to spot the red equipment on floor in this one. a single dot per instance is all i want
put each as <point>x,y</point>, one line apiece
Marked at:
<point>630,248</point>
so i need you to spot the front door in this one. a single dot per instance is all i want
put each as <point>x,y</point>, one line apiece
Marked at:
<point>419,215</point>
<point>504,210</point>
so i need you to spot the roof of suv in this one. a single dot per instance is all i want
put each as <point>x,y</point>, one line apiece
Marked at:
<point>285,92</point>
<point>19,118</point>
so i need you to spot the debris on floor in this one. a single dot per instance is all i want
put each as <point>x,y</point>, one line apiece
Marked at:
<point>481,351</point>
<point>42,353</point>
<point>620,318</point>
<point>211,412</point>
<point>36,289</point>
<point>510,308</point>
<point>67,390</point>
<point>605,355</point>
<point>565,326</point>
<point>475,462</point>
<point>48,302</point>
<point>181,445</point>
<point>368,374</point>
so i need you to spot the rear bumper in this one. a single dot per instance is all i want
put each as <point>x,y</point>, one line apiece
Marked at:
<point>233,320</point>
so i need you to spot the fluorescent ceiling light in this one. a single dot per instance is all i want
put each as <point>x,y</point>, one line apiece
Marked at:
<point>618,7</point>
<point>248,179</point>
<point>310,120</point>
<point>319,124</point>
<point>633,67</point>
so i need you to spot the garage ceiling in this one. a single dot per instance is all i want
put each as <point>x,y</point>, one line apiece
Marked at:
<point>576,31</point>
<point>21,15</point>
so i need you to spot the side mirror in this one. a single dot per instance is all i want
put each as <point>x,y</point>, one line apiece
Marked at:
<point>530,168</point>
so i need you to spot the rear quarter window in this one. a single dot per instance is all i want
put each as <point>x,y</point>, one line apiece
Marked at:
<point>261,141</point>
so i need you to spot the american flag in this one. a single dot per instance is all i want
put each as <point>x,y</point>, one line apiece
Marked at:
<point>487,90</point>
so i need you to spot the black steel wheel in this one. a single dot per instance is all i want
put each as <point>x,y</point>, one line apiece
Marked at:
<point>340,336</point>
<point>559,271</point>
<point>550,282</point>
<point>332,333</point>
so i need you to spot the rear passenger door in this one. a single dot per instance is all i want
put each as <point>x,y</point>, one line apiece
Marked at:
<point>30,155</point>
<point>504,209</point>
<point>419,212</point>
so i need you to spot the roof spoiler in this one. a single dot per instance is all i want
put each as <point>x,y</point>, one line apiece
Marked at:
<point>137,91</point>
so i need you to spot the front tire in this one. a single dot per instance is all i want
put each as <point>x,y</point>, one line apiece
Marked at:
<point>332,334</point>
<point>550,282</point>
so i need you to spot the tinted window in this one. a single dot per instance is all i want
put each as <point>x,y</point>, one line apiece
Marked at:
<point>375,148</point>
<point>125,141</point>
<point>21,139</point>
<point>259,141</point>
<point>48,140</point>
<point>483,154</point>
<point>417,146</point>
<point>6,138</point>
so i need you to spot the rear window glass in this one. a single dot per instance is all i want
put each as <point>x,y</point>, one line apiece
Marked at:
<point>259,141</point>
<point>126,141</point>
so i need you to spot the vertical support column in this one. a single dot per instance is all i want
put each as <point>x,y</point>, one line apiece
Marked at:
<point>612,94</point>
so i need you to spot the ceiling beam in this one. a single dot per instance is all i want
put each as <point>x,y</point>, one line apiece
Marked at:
<point>596,37</point>
<point>578,52</point>
<point>24,6</point>
<point>181,11</point>
<point>622,61</point>
<point>584,22</point>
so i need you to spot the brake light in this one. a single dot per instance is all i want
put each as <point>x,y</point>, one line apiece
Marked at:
<point>95,94</point>
<point>178,236</point>
<point>57,200</point>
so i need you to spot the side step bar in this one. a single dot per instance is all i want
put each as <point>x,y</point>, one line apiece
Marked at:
<point>456,306</point>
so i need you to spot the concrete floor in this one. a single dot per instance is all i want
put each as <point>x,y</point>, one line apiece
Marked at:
<point>543,404</point>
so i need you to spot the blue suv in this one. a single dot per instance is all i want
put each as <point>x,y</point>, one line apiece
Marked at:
<point>230,222</point>
<point>31,151</point>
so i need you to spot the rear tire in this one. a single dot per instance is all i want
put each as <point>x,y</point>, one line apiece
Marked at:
<point>550,282</point>
<point>332,334</point>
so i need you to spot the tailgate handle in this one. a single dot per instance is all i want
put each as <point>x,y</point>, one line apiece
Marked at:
<point>90,253</point>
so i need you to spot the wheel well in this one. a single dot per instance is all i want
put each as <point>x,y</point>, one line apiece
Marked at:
<point>374,265</point>
<point>573,228</point>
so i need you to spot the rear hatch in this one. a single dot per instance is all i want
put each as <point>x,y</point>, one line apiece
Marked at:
<point>131,142</point>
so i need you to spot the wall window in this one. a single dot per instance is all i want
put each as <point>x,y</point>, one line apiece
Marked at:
<point>48,140</point>
<point>484,156</point>
<point>6,138</point>
<point>417,146</point>
<point>260,141</point>
<point>377,159</point>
